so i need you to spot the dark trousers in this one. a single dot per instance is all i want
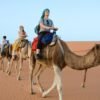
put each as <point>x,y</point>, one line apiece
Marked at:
<point>40,36</point>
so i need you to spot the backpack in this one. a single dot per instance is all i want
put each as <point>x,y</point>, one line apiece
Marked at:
<point>36,29</point>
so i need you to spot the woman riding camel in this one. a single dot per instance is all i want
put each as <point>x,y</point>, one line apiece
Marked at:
<point>22,35</point>
<point>46,25</point>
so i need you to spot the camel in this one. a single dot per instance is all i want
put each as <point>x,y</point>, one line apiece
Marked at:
<point>6,56</point>
<point>23,53</point>
<point>58,57</point>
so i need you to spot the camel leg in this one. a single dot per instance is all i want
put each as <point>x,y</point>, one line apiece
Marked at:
<point>8,66</point>
<point>50,89</point>
<point>31,68</point>
<point>36,74</point>
<point>16,65</point>
<point>2,65</point>
<point>84,79</point>
<point>41,69</point>
<point>20,69</point>
<point>8,69</point>
<point>57,82</point>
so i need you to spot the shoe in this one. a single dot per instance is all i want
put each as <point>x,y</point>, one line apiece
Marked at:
<point>52,43</point>
<point>38,56</point>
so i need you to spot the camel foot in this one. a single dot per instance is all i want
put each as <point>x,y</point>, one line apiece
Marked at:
<point>44,94</point>
<point>6,71</point>
<point>34,83</point>
<point>41,90</point>
<point>32,93</point>
<point>9,73</point>
<point>18,78</point>
<point>83,85</point>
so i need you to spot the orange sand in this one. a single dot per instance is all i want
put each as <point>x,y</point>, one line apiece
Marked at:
<point>11,89</point>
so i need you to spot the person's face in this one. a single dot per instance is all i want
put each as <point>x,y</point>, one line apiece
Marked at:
<point>46,13</point>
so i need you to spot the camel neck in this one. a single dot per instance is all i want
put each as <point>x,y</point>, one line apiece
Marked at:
<point>78,62</point>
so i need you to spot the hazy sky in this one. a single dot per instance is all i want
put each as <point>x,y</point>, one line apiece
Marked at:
<point>77,20</point>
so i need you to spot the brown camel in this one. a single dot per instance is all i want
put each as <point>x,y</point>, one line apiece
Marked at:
<point>23,53</point>
<point>59,56</point>
<point>6,56</point>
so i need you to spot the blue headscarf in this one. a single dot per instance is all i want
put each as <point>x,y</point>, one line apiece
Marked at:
<point>43,14</point>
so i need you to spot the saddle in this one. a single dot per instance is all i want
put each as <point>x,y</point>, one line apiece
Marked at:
<point>6,46</point>
<point>22,43</point>
<point>50,43</point>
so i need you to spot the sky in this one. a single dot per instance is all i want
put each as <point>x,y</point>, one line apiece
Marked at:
<point>77,20</point>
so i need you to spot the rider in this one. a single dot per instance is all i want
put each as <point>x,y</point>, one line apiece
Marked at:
<point>22,35</point>
<point>4,42</point>
<point>46,25</point>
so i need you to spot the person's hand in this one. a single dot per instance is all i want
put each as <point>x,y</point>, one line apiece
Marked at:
<point>55,28</point>
<point>52,28</point>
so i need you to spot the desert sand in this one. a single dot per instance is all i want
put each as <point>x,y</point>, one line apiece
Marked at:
<point>11,89</point>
